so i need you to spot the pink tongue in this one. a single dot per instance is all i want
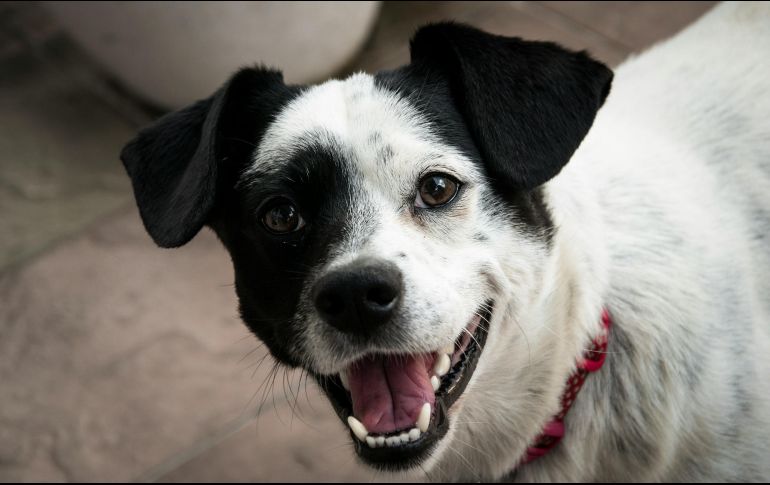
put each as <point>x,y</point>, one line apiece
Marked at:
<point>389,391</point>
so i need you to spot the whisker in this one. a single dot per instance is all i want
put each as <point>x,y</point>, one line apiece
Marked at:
<point>425,472</point>
<point>526,339</point>
<point>264,387</point>
<point>258,365</point>
<point>250,352</point>
<point>473,447</point>
<point>467,463</point>
<point>310,403</point>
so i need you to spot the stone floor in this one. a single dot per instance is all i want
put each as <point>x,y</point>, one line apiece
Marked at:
<point>120,361</point>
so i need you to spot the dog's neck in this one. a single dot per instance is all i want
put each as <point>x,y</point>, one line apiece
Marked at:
<point>592,361</point>
<point>579,279</point>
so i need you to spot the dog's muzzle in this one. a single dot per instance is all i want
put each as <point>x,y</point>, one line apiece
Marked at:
<point>396,405</point>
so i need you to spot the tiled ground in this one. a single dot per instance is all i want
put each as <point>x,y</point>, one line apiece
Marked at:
<point>121,361</point>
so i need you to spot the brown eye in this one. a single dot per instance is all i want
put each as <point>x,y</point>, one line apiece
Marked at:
<point>282,217</point>
<point>436,190</point>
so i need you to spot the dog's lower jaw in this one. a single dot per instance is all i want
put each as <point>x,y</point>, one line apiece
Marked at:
<point>386,445</point>
<point>492,438</point>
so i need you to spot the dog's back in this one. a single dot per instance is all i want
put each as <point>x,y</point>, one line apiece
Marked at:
<point>676,176</point>
<point>696,111</point>
<point>708,90</point>
<point>705,95</point>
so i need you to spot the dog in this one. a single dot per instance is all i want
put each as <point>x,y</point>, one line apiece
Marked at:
<point>503,261</point>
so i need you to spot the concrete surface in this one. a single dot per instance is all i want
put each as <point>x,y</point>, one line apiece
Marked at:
<point>121,361</point>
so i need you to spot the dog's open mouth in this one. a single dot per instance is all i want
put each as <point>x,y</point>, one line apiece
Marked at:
<point>396,405</point>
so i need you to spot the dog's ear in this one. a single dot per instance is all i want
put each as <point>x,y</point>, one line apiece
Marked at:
<point>528,105</point>
<point>179,163</point>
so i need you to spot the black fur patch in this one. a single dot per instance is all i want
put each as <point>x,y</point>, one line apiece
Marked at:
<point>272,270</point>
<point>182,164</point>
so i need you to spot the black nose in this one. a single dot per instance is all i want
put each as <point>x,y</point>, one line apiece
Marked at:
<point>360,297</point>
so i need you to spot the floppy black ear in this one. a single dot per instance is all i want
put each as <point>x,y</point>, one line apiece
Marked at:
<point>178,164</point>
<point>528,105</point>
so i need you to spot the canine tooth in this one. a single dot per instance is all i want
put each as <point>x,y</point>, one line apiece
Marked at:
<point>442,365</point>
<point>423,420</point>
<point>371,442</point>
<point>435,382</point>
<point>449,349</point>
<point>344,379</point>
<point>380,440</point>
<point>414,434</point>
<point>393,441</point>
<point>358,428</point>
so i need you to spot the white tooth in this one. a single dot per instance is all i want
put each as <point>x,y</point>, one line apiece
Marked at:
<point>449,349</point>
<point>423,420</point>
<point>404,437</point>
<point>442,365</point>
<point>435,382</point>
<point>358,428</point>
<point>344,379</point>
<point>380,441</point>
<point>393,441</point>
<point>371,442</point>
<point>414,434</point>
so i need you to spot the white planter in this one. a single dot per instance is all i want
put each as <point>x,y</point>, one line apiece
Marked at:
<point>173,53</point>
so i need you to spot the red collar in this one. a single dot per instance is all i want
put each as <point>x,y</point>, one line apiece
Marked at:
<point>592,361</point>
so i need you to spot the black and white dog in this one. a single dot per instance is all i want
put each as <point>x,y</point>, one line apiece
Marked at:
<point>417,240</point>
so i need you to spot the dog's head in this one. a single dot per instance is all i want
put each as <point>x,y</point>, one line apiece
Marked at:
<point>384,229</point>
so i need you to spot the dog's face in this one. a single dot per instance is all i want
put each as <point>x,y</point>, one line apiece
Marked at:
<point>385,230</point>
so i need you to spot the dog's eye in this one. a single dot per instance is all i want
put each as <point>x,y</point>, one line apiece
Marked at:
<point>281,217</point>
<point>435,190</point>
